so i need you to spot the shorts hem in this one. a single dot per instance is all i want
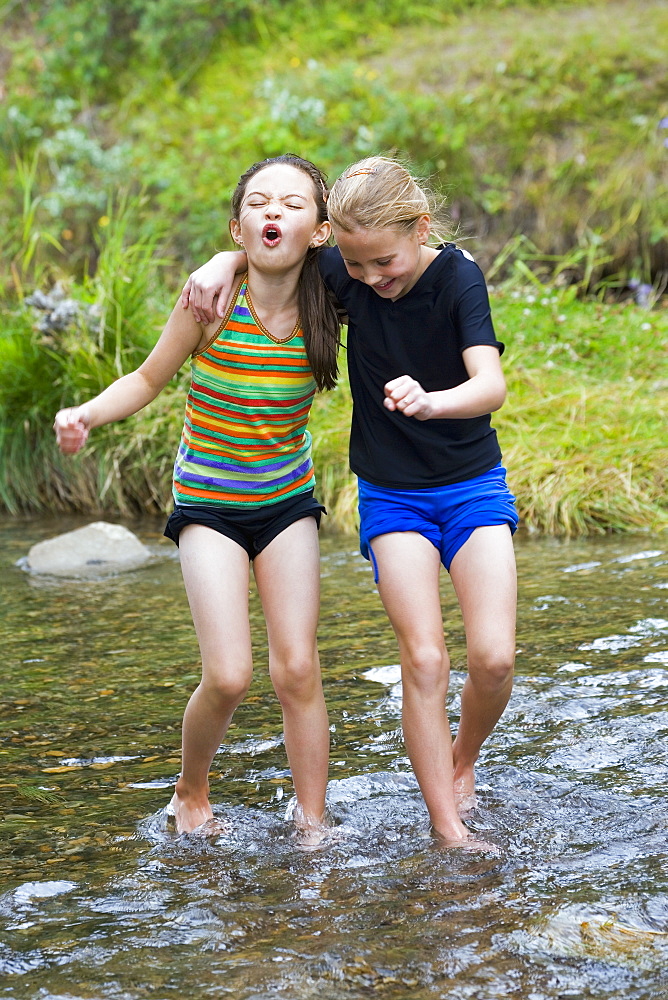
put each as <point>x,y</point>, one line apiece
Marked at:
<point>252,530</point>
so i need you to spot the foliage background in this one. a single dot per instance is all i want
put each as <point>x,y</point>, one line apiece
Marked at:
<point>124,127</point>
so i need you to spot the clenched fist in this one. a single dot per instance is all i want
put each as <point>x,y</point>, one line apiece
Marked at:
<point>72,426</point>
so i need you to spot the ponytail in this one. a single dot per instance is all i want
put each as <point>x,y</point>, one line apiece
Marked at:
<point>320,322</point>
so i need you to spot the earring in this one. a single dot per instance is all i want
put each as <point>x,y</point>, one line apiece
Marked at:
<point>241,243</point>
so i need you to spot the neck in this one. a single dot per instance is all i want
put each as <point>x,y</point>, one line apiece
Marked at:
<point>274,292</point>
<point>274,297</point>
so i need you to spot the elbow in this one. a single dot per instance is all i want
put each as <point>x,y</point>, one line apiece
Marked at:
<point>499,399</point>
<point>148,385</point>
<point>496,394</point>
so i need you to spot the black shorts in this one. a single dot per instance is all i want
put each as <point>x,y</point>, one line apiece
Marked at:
<point>252,529</point>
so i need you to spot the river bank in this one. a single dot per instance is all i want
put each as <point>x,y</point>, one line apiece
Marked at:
<point>583,430</point>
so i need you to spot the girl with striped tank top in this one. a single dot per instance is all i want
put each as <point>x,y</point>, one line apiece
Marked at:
<point>243,476</point>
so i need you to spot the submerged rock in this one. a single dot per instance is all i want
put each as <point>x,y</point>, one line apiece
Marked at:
<point>97,549</point>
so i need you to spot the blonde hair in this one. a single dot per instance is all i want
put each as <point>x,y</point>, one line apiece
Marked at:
<point>380,193</point>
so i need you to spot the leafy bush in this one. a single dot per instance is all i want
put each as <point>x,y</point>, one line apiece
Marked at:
<point>111,323</point>
<point>125,128</point>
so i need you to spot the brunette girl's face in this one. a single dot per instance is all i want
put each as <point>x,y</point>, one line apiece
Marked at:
<point>388,260</point>
<point>278,218</point>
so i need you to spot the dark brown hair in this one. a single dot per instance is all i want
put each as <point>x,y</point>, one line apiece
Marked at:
<point>318,315</point>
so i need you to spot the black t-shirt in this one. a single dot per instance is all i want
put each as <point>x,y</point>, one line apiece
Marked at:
<point>423,335</point>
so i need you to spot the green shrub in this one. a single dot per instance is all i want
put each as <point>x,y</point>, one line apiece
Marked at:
<point>124,131</point>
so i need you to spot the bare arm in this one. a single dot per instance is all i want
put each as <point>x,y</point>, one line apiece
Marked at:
<point>208,289</point>
<point>178,340</point>
<point>484,392</point>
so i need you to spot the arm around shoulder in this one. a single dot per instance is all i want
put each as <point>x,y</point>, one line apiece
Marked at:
<point>208,289</point>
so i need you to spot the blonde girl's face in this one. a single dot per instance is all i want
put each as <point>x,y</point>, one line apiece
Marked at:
<point>388,260</point>
<point>278,218</point>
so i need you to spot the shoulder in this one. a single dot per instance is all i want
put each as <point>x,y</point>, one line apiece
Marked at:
<point>335,275</point>
<point>458,273</point>
<point>330,262</point>
<point>457,260</point>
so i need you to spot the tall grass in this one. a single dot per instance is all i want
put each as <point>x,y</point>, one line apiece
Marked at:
<point>581,460</point>
<point>540,117</point>
<point>583,428</point>
<point>43,368</point>
<point>126,287</point>
<point>544,123</point>
<point>22,235</point>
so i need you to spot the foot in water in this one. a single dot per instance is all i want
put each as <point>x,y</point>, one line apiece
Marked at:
<point>471,844</point>
<point>189,818</point>
<point>310,832</point>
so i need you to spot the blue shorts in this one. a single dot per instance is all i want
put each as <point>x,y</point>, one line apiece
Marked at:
<point>446,515</point>
<point>252,529</point>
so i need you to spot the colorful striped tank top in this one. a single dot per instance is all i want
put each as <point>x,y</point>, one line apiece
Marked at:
<point>244,441</point>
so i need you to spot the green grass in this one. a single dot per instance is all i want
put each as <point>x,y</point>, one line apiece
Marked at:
<point>584,427</point>
<point>583,430</point>
<point>541,118</point>
<point>123,138</point>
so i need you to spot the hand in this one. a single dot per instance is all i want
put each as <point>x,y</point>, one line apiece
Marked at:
<point>72,426</point>
<point>408,397</point>
<point>208,288</point>
<point>200,300</point>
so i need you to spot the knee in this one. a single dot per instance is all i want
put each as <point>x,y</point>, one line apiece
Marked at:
<point>295,677</point>
<point>426,669</point>
<point>492,668</point>
<point>227,688</point>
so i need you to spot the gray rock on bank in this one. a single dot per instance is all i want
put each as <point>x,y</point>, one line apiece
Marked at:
<point>98,549</point>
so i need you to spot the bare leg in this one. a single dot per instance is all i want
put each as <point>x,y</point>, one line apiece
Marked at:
<point>288,578</point>
<point>409,567</point>
<point>484,578</point>
<point>216,575</point>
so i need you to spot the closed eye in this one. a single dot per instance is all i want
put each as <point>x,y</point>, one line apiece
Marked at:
<point>354,263</point>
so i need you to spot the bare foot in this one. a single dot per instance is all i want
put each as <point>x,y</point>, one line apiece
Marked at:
<point>470,843</point>
<point>187,815</point>
<point>308,838</point>
<point>310,831</point>
<point>453,833</point>
<point>213,827</point>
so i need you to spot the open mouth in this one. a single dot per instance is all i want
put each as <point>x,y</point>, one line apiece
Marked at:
<point>271,235</point>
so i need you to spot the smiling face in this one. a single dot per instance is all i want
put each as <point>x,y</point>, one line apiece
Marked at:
<point>278,218</point>
<point>388,260</point>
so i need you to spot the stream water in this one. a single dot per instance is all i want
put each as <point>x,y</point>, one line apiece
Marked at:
<point>99,900</point>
